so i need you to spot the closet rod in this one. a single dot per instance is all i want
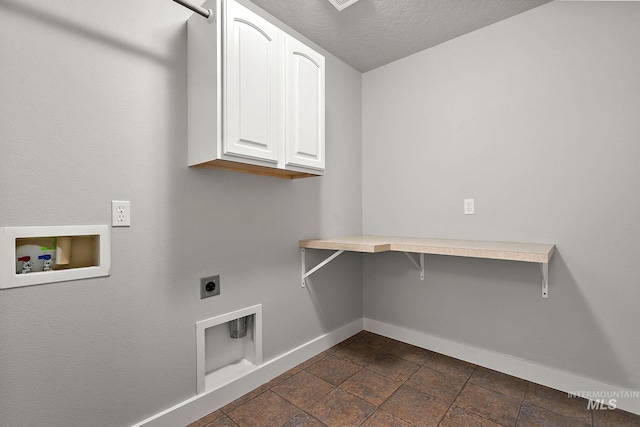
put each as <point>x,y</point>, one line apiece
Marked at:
<point>207,13</point>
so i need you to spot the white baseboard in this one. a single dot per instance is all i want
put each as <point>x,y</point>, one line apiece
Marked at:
<point>198,406</point>
<point>521,368</point>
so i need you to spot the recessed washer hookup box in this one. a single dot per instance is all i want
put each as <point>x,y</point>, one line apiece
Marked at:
<point>38,255</point>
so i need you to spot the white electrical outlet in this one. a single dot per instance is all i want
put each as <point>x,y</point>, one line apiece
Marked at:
<point>469,207</point>
<point>120,213</point>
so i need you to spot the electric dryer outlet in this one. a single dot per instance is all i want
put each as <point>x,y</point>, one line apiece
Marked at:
<point>209,286</point>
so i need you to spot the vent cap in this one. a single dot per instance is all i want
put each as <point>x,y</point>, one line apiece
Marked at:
<point>342,4</point>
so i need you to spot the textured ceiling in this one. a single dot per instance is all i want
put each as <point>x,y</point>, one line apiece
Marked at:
<point>371,33</point>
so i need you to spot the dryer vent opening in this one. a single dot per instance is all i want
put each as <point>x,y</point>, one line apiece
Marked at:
<point>238,327</point>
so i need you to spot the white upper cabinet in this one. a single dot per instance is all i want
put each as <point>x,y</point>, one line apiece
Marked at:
<point>304,106</point>
<point>255,96</point>
<point>251,88</point>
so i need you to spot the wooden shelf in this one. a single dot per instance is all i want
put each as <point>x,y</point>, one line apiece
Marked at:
<point>369,244</point>
<point>511,251</point>
<point>539,253</point>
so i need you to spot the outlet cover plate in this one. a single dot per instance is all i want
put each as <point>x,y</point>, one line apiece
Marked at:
<point>209,286</point>
<point>120,213</point>
<point>469,207</point>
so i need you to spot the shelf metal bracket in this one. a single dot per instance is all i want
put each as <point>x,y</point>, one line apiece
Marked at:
<point>306,273</point>
<point>545,279</point>
<point>418,266</point>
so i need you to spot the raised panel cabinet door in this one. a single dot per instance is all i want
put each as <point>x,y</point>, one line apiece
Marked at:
<point>251,85</point>
<point>304,105</point>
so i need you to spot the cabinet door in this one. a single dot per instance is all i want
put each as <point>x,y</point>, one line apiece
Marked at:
<point>251,85</point>
<point>304,106</point>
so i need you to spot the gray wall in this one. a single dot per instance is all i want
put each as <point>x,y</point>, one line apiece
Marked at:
<point>93,109</point>
<point>536,118</point>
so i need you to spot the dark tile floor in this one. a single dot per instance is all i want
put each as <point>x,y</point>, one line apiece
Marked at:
<point>373,381</point>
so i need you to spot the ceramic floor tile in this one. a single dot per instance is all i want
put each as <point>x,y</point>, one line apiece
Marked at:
<point>488,404</point>
<point>535,416</point>
<point>558,402</point>
<point>458,417</point>
<point>415,407</point>
<point>277,380</point>
<point>340,408</point>
<point>450,366</point>
<point>441,386</point>
<point>370,386</point>
<point>360,335</point>
<point>359,354</point>
<point>393,367</point>
<point>381,418</point>
<point>334,369</point>
<point>410,352</point>
<point>244,399</point>
<point>304,420</point>
<point>616,418</point>
<point>497,381</point>
<point>313,360</point>
<point>378,342</point>
<point>303,389</point>
<point>204,421</point>
<point>386,383</point>
<point>266,410</point>
<point>223,422</point>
